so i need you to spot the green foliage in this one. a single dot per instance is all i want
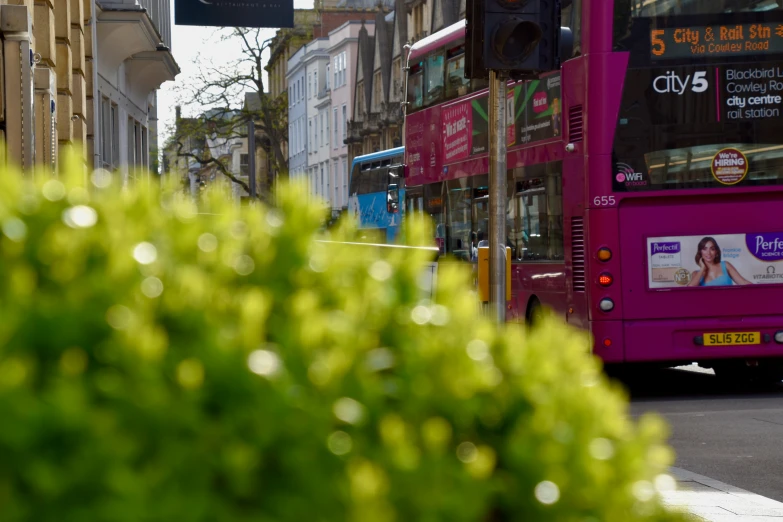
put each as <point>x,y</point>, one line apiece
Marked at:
<point>161,364</point>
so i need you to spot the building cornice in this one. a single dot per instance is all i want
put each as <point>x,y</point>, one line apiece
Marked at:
<point>343,42</point>
<point>124,32</point>
<point>150,69</point>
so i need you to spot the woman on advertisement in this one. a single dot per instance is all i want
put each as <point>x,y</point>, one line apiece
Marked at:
<point>712,270</point>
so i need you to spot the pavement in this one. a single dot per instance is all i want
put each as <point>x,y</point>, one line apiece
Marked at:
<point>714,501</point>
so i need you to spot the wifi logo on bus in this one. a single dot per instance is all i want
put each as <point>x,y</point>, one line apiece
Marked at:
<point>626,174</point>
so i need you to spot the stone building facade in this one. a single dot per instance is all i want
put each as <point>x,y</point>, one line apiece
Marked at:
<point>377,118</point>
<point>89,82</point>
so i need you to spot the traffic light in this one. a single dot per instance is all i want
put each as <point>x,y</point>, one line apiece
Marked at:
<point>474,41</point>
<point>520,36</point>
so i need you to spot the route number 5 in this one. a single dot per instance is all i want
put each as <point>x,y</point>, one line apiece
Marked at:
<point>604,201</point>
<point>658,45</point>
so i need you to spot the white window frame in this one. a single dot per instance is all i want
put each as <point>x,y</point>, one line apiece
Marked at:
<point>336,128</point>
<point>345,121</point>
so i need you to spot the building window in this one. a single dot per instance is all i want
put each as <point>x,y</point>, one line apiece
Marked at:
<point>339,70</point>
<point>335,126</point>
<point>345,179</point>
<point>137,145</point>
<point>322,129</point>
<point>343,67</point>
<point>327,77</point>
<point>310,134</point>
<point>244,164</point>
<point>396,80</point>
<point>115,136</point>
<point>345,122</point>
<point>131,146</point>
<point>106,132</point>
<point>145,148</point>
<point>418,21</point>
<point>337,173</point>
<point>376,87</point>
<point>309,86</point>
<point>315,81</point>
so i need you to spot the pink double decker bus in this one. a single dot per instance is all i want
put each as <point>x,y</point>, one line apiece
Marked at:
<point>645,177</point>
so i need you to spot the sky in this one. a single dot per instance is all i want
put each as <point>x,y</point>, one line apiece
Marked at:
<point>192,47</point>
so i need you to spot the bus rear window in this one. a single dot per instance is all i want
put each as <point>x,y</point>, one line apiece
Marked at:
<point>713,135</point>
<point>693,167</point>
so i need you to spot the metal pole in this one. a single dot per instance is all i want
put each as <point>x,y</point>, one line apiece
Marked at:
<point>497,197</point>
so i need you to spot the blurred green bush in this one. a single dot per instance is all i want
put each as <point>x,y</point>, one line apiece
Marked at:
<point>160,362</point>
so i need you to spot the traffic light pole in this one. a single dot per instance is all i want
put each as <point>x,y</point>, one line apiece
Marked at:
<point>497,196</point>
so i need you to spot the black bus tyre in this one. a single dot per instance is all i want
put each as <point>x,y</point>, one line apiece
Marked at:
<point>739,373</point>
<point>535,313</point>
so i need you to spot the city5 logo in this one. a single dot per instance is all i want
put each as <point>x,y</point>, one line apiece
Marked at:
<point>673,83</point>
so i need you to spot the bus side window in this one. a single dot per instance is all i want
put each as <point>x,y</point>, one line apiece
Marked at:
<point>435,78</point>
<point>378,180</point>
<point>456,83</point>
<point>571,17</point>
<point>536,226</point>
<point>416,86</point>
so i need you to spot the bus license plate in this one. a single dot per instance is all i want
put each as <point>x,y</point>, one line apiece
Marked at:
<point>732,338</point>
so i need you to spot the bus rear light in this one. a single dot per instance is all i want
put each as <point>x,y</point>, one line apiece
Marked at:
<point>779,337</point>
<point>607,342</point>
<point>605,279</point>
<point>606,304</point>
<point>604,254</point>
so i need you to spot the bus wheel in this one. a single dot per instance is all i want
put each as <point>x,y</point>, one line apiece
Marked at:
<point>740,373</point>
<point>535,313</point>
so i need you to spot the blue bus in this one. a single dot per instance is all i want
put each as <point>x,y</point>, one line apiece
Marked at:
<point>377,191</point>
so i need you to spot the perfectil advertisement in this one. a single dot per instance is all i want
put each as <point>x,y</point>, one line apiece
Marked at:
<point>718,260</point>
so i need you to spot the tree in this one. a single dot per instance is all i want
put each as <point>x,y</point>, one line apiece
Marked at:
<point>229,96</point>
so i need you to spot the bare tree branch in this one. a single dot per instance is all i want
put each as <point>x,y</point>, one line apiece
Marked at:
<point>227,95</point>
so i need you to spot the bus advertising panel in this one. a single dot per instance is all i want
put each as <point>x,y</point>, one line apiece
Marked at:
<point>716,260</point>
<point>532,112</point>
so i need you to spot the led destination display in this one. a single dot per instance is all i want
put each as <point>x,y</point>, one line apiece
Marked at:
<point>716,40</point>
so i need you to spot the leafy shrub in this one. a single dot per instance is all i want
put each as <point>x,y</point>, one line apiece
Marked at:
<point>164,363</point>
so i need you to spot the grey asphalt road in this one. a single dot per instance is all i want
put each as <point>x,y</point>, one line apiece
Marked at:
<point>729,434</point>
